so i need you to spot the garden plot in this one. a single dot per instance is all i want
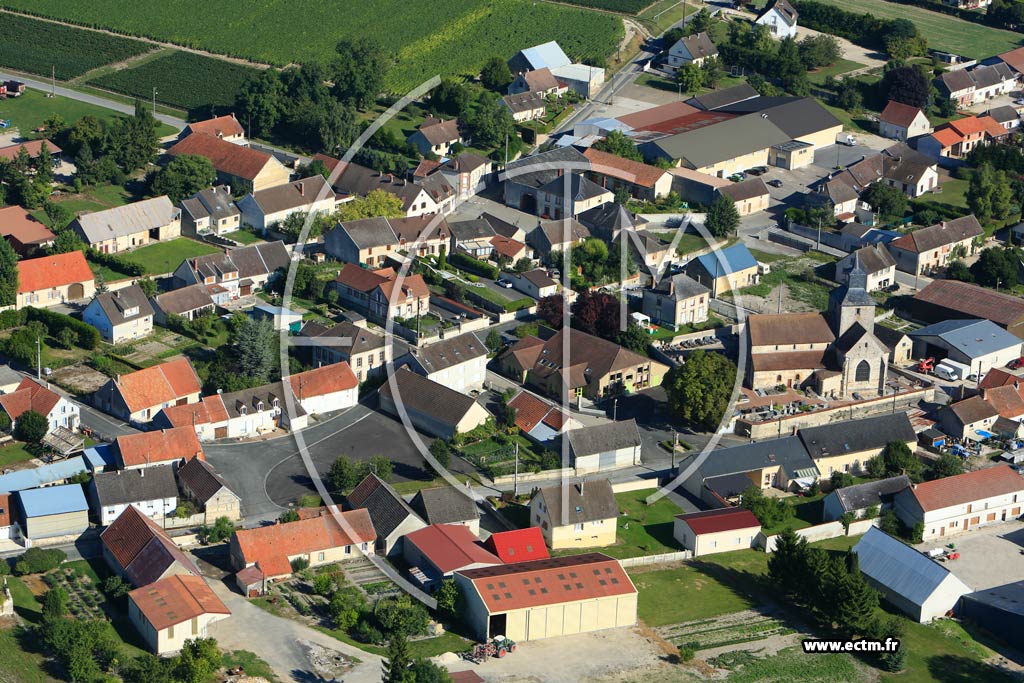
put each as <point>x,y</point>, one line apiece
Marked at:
<point>750,629</point>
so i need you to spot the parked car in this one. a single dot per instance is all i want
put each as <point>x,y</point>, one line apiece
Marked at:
<point>737,177</point>
<point>758,170</point>
<point>1016,363</point>
<point>503,282</point>
<point>775,182</point>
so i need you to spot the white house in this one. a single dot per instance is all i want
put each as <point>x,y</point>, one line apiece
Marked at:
<point>780,17</point>
<point>605,447</point>
<point>962,502</point>
<point>716,531</point>
<point>459,363</point>
<point>901,122</point>
<point>910,580</point>
<point>121,315</point>
<point>266,208</point>
<point>31,395</point>
<point>695,49</point>
<point>152,490</point>
<point>174,609</point>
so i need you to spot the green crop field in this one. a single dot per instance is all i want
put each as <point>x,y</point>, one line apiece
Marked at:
<point>624,6</point>
<point>457,40</point>
<point>41,47</point>
<point>182,79</point>
<point>942,31</point>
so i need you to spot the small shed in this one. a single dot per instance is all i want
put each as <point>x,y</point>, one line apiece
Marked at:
<point>605,447</point>
<point>716,531</point>
<point>282,318</point>
<point>53,511</point>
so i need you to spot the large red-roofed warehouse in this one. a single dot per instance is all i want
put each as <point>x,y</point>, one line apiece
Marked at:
<point>716,531</point>
<point>547,598</point>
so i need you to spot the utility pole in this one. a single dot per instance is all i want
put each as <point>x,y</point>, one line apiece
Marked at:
<point>780,299</point>
<point>515,478</point>
<point>615,409</point>
<point>155,91</point>
<point>818,246</point>
<point>39,359</point>
<point>53,81</point>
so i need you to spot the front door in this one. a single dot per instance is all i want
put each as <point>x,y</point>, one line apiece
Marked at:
<point>942,530</point>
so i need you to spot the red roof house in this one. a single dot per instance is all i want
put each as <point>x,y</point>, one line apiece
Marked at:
<point>520,545</point>
<point>236,165</point>
<point>176,600</point>
<point>22,230</point>
<point>168,446</point>
<point>224,127</point>
<point>440,549</point>
<point>137,549</point>
<point>139,396</point>
<point>51,280</point>
<point>716,531</point>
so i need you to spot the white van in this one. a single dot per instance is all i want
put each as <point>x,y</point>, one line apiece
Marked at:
<point>945,372</point>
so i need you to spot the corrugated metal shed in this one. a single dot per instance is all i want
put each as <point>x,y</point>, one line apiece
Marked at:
<point>41,476</point>
<point>53,500</point>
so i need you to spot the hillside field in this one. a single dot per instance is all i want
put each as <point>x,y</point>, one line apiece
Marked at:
<point>456,40</point>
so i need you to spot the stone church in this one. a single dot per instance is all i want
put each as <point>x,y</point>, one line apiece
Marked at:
<point>836,353</point>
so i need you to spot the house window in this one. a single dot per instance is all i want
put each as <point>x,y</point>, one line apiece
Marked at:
<point>320,557</point>
<point>170,631</point>
<point>578,527</point>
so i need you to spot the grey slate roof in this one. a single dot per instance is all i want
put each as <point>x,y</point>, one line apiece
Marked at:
<point>888,336</point>
<point>973,338</point>
<point>1004,114</point>
<point>717,99</point>
<point>369,232</point>
<point>251,261</point>
<point>294,195</point>
<point>180,301</point>
<point>580,187</point>
<point>699,45</point>
<point>853,436</point>
<point>428,397</point>
<point>726,140</point>
<point>133,486</point>
<point>588,501</point>
<point>360,181</point>
<point>127,220</point>
<point>361,339</point>
<point>744,189</point>
<point>213,202</point>
<point>201,479</point>
<point>114,304</point>
<point>604,437</point>
<point>786,10</point>
<point>449,352</point>
<point>788,452</point>
<point>902,569</point>
<point>472,229</point>
<point>607,220</point>
<point>444,505</point>
<point>861,496</point>
<point>386,508</point>
<point>680,286</point>
<point>538,170</point>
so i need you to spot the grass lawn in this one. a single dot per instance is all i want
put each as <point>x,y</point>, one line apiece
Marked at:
<point>164,257</point>
<point>30,110</point>
<point>95,198</point>
<point>644,529</point>
<point>20,666</point>
<point>12,453</point>
<point>244,237</point>
<point>807,511</point>
<point>661,15</point>
<point>706,596</point>
<point>25,603</point>
<point>842,66</point>
<point>803,283</point>
<point>495,298</point>
<point>251,662</point>
<point>943,32</point>
<point>949,202</point>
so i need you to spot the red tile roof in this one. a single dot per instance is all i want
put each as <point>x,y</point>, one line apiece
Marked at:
<point>229,158</point>
<point>947,137</point>
<point>142,549</point>
<point>506,246</point>
<point>271,546</point>
<point>624,169</point>
<point>969,125</point>
<point>153,386</point>
<point>360,279</point>
<point>520,545</point>
<point>531,411</point>
<point>49,272</point>
<point>324,380</point>
<point>209,410</point>
<point>5,509</point>
<point>1014,58</point>
<point>10,152</point>
<point>219,127</point>
<point>654,116</point>
<point>413,286</point>
<point>30,395</point>
<point>450,547</point>
<point>899,114</point>
<point>1006,400</point>
<point>175,600</point>
<point>20,227</point>
<point>166,445</point>
<point>549,582</point>
<point>725,519</point>
<point>967,488</point>
<point>974,301</point>
<point>997,377</point>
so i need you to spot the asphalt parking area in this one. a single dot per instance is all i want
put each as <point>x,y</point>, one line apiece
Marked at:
<point>989,556</point>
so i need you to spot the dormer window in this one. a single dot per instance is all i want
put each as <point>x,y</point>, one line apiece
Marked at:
<point>243,410</point>
<point>133,311</point>
<point>259,406</point>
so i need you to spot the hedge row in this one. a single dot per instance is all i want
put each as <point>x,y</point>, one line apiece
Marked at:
<point>115,262</point>
<point>88,336</point>
<point>473,265</point>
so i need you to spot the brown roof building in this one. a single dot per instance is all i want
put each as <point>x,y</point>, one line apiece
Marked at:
<point>138,550</point>
<point>240,167</point>
<point>945,299</point>
<point>172,610</point>
<point>23,231</point>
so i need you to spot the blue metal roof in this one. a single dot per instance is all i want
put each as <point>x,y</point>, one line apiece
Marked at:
<point>728,261</point>
<point>41,476</point>
<point>548,55</point>
<point>972,338</point>
<point>53,500</point>
<point>99,456</point>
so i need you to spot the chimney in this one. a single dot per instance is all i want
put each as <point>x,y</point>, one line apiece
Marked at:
<point>142,472</point>
<point>302,189</point>
<point>581,487</point>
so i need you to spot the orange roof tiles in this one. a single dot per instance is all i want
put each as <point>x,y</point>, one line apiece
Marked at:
<point>5,509</point>
<point>324,380</point>
<point>49,272</point>
<point>646,118</point>
<point>1006,400</point>
<point>969,125</point>
<point>166,445</point>
<point>209,410</point>
<point>229,158</point>
<point>271,546</point>
<point>947,137</point>
<point>33,147</point>
<point>531,411</point>
<point>549,582</point>
<point>219,127</point>
<point>176,599</point>
<point>506,246</point>
<point>997,377</point>
<point>967,488</point>
<point>1014,59</point>
<point>624,169</point>
<point>519,545</point>
<point>30,395</point>
<point>154,386</point>
<point>20,227</point>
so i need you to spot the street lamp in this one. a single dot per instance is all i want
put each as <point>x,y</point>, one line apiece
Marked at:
<point>155,92</point>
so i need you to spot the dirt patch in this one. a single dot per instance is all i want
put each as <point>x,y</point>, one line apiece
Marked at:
<point>34,582</point>
<point>80,378</point>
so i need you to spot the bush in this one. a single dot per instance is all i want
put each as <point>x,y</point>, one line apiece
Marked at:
<point>299,563</point>
<point>365,632</point>
<point>117,263</point>
<point>88,337</point>
<point>466,262</point>
<point>39,560</point>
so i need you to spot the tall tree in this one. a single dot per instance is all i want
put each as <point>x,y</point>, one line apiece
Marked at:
<point>907,84</point>
<point>256,344</point>
<point>182,177</point>
<point>723,218</point>
<point>359,70</point>
<point>699,390</point>
<point>375,203</point>
<point>450,97</point>
<point>491,124</point>
<point>496,75</point>
<point>8,274</point>
<point>888,201</point>
<point>689,78</point>
<point>615,142</point>
<point>857,601</point>
<point>787,562</point>
<point>397,662</point>
<point>262,102</point>
<point>997,267</point>
<point>133,140</point>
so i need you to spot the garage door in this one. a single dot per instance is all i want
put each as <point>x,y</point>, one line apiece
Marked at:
<point>607,460</point>
<point>220,432</point>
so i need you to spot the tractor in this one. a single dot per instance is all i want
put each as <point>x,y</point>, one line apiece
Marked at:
<point>926,365</point>
<point>498,646</point>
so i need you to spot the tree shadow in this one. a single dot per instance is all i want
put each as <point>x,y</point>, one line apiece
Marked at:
<point>954,669</point>
<point>662,533</point>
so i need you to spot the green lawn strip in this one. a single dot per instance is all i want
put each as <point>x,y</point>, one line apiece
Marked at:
<point>944,32</point>
<point>807,511</point>
<point>662,602</point>
<point>31,109</point>
<point>644,529</point>
<point>13,453</point>
<point>164,257</point>
<point>25,603</point>
<point>19,665</point>
<point>244,237</point>
<point>841,66</point>
<point>251,664</point>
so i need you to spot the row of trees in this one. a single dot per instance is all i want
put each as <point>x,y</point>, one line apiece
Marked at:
<point>786,61</point>
<point>596,313</point>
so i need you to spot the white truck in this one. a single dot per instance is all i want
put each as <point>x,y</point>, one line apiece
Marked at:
<point>846,139</point>
<point>951,370</point>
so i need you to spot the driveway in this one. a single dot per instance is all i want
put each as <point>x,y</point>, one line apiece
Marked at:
<point>280,642</point>
<point>990,556</point>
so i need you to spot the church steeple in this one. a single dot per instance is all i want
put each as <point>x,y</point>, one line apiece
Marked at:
<point>850,303</point>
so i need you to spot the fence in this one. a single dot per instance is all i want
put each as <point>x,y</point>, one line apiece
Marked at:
<point>527,477</point>
<point>657,559</point>
<point>819,532</point>
<point>638,485</point>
